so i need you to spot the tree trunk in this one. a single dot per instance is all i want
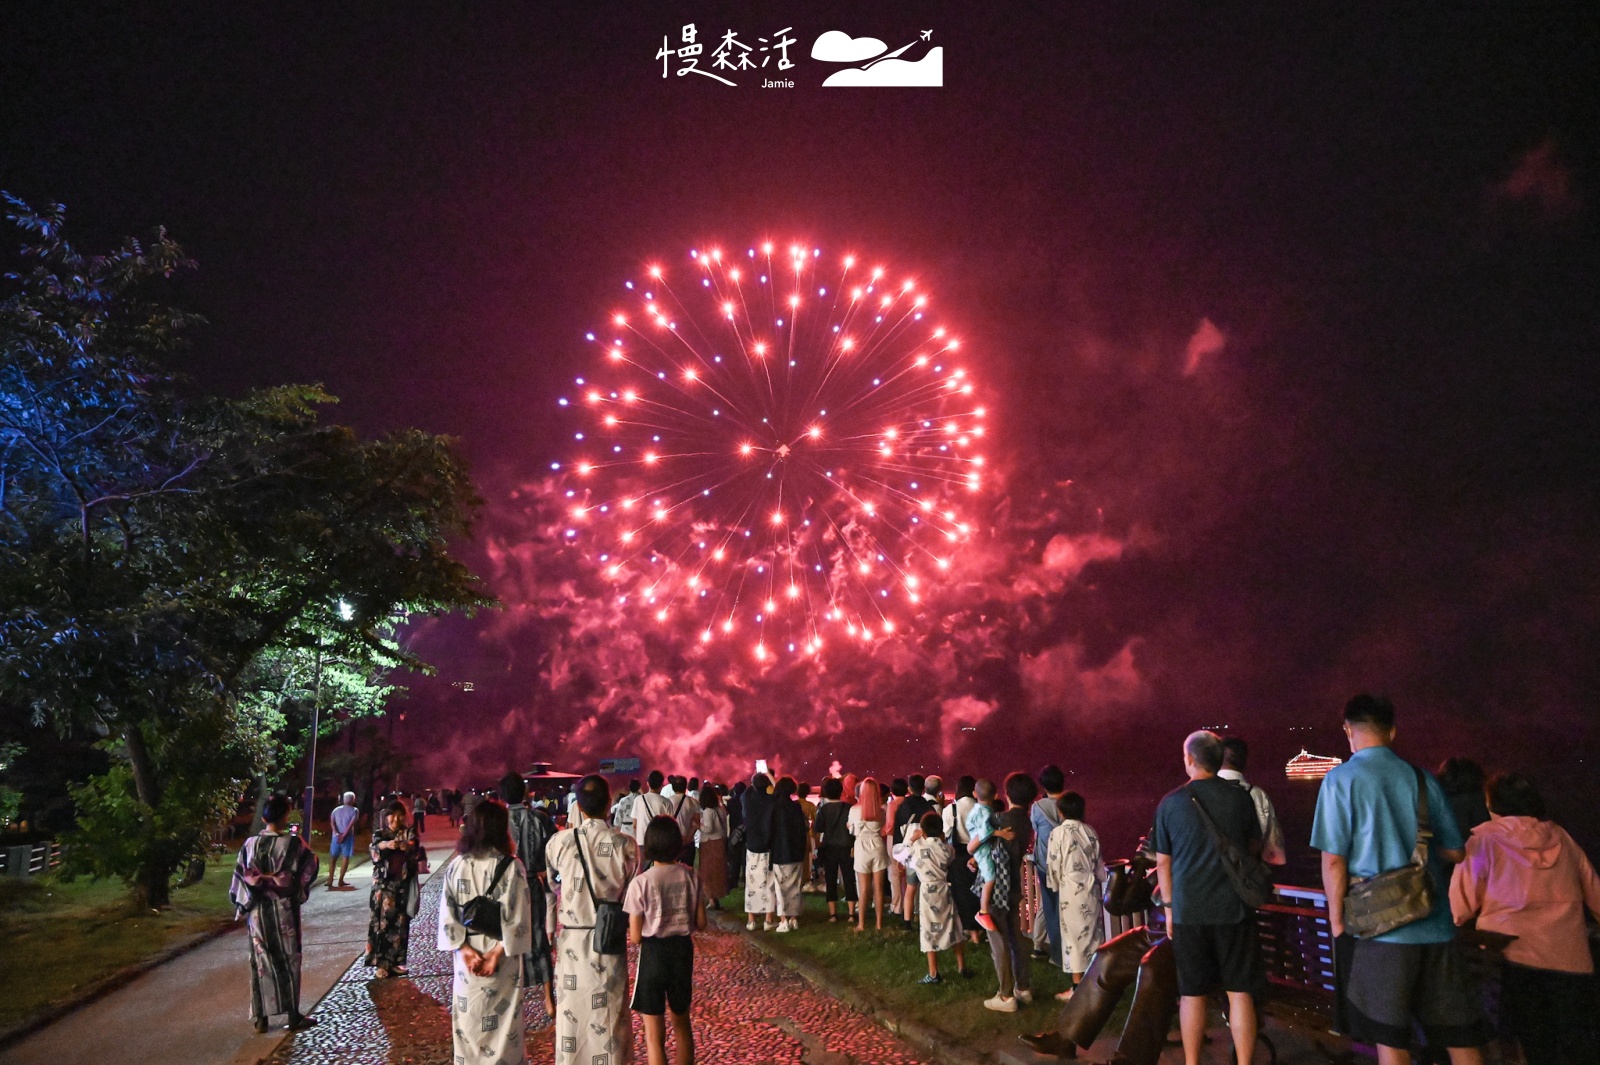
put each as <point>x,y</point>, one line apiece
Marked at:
<point>153,886</point>
<point>257,822</point>
<point>144,774</point>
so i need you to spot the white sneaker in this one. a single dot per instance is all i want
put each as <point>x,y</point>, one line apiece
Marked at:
<point>750,925</point>
<point>783,926</point>
<point>768,926</point>
<point>1025,997</point>
<point>1000,1005</point>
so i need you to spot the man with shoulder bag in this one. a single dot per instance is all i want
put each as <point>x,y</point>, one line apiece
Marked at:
<point>594,864</point>
<point>1385,828</point>
<point>1208,842</point>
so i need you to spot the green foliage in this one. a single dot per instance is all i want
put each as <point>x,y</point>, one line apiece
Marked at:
<point>203,762</point>
<point>10,798</point>
<point>184,574</point>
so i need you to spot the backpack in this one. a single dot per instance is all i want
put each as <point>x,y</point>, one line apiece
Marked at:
<point>481,914</point>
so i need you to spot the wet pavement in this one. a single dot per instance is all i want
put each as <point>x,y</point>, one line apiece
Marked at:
<point>748,1010</point>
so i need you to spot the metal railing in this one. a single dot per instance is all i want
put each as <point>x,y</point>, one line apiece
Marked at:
<point>1296,945</point>
<point>30,859</point>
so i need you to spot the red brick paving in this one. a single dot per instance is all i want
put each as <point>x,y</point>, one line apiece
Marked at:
<point>748,1010</point>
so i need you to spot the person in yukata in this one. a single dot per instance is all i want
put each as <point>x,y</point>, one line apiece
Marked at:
<point>531,829</point>
<point>1077,878</point>
<point>485,999</point>
<point>592,861</point>
<point>271,881</point>
<point>397,858</point>
<point>939,926</point>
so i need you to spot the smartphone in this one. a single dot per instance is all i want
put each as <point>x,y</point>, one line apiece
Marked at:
<point>761,766</point>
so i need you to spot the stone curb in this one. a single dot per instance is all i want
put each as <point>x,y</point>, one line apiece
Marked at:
<point>919,1035</point>
<point>109,983</point>
<point>115,981</point>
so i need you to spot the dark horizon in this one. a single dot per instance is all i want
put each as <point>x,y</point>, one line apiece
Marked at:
<point>1290,320</point>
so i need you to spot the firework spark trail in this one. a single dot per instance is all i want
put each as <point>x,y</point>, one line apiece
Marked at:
<point>775,453</point>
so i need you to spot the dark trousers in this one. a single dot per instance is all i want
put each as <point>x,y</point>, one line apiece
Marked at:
<point>838,862</point>
<point>1551,1014</point>
<point>1050,906</point>
<point>1010,949</point>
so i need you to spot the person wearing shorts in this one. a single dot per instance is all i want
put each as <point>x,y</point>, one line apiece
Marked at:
<point>665,907</point>
<point>342,825</point>
<point>1366,824</point>
<point>1213,933</point>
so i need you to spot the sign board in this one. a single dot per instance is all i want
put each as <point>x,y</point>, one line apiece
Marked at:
<point>619,765</point>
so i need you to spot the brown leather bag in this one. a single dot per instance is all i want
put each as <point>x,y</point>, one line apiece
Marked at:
<point>1377,904</point>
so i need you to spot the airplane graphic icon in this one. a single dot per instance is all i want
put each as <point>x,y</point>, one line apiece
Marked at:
<point>927,35</point>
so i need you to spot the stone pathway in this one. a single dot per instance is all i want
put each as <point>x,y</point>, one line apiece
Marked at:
<point>748,1010</point>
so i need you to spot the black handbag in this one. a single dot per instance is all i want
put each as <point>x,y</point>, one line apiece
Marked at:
<point>1250,876</point>
<point>481,915</point>
<point>1377,904</point>
<point>610,923</point>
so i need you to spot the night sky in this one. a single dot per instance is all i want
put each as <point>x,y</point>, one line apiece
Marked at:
<point>1289,321</point>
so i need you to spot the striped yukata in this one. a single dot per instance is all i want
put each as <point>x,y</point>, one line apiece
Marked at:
<point>271,881</point>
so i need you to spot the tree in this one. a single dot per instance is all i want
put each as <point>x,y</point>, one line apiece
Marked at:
<point>168,560</point>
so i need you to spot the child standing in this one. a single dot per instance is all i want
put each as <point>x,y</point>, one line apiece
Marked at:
<point>940,928</point>
<point>665,907</point>
<point>983,846</point>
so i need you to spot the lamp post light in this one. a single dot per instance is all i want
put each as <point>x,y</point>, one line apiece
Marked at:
<point>346,613</point>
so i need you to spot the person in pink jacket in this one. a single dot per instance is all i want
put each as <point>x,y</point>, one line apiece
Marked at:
<point>1524,876</point>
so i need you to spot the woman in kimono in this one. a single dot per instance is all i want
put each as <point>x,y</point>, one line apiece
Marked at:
<point>531,829</point>
<point>485,994</point>
<point>271,881</point>
<point>1074,871</point>
<point>396,891</point>
<point>929,868</point>
<point>871,852</point>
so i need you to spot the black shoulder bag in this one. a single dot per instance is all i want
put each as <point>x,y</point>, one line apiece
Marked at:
<point>1377,904</point>
<point>610,923</point>
<point>481,914</point>
<point>1250,876</point>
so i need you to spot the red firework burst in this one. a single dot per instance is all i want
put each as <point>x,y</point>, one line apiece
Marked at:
<point>775,457</point>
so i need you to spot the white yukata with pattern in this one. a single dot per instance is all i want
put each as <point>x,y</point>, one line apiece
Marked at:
<point>1074,871</point>
<point>939,926</point>
<point>593,1025</point>
<point>486,1011</point>
<point>758,896</point>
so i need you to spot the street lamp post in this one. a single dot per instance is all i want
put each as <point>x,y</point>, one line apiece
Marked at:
<point>311,758</point>
<point>346,612</point>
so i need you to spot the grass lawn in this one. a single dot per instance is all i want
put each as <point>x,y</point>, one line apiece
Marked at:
<point>57,937</point>
<point>888,964</point>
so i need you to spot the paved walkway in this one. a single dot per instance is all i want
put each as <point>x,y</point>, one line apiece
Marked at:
<point>194,1010</point>
<point>748,1010</point>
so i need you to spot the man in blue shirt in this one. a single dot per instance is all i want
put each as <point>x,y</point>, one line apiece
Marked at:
<point>1366,824</point>
<point>1045,817</point>
<point>1213,932</point>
